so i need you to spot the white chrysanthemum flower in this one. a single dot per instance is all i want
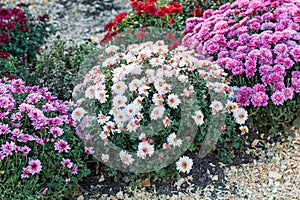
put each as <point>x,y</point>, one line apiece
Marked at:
<point>173,140</point>
<point>145,149</point>
<point>167,122</point>
<point>240,115</point>
<point>157,99</point>
<point>134,84</point>
<point>216,106</point>
<point>131,110</point>
<point>159,84</point>
<point>110,126</point>
<point>143,90</point>
<point>104,134</point>
<point>173,101</point>
<point>157,112</point>
<point>99,78</point>
<point>138,101</point>
<point>105,157</point>
<point>199,118</point>
<point>102,119</point>
<point>184,164</point>
<point>244,129</point>
<point>119,87</point>
<point>231,106</point>
<point>156,61</point>
<point>120,117</point>
<point>90,92</point>
<point>78,113</point>
<point>101,96</point>
<point>166,88</point>
<point>126,157</point>
<point>132,125</point>
<point>119,101</point>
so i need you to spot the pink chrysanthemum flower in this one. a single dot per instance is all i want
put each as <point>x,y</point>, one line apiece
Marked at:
<point>34,166</point>
<point>61,146</point>
<point>278,98</point>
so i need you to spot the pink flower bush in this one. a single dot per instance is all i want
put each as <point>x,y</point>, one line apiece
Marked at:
<point>37,139</point>
<point>257,42</point>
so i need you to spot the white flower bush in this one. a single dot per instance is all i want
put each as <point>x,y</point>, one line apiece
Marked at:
<point>134,101</point>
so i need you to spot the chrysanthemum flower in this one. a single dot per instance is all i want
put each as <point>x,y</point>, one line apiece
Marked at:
<point>184,164</point>
<point>90,92</point>
<point>144,149</point>
<point>105,157</point>
<point>199,118</point>
<point>61,146</point>
<point>173,140</point>
<point>78,113</point>
<point>126,157</point>
<point>240,115</point>
<point>119,87</point>
<point>173,101</point>
<point>119,101</point>
<point>34,166</point>
<point>157,112</point>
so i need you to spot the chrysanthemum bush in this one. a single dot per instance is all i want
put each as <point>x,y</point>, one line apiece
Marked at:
<point>142,105</point>
<point>40,156</point>
<point>21,33</point>
<point>257,43</point>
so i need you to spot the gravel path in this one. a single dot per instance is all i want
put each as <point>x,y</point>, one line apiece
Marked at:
<point>76,19</point>
<point>276,175</point>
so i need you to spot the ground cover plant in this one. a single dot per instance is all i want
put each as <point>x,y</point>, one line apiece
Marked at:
<point>257,43</point>
<point>40,156</point>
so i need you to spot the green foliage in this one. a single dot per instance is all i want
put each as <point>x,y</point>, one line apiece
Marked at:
<point>58,66</point>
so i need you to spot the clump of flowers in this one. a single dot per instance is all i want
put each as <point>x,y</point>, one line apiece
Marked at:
<point>39,152</point>
<point>145,103</point>
<point>22,34</point>
<point>257,43</point>
<point>164,14</point>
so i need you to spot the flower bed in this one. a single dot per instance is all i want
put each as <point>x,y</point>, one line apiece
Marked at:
<point>257,43</point>
<point>40,156</point>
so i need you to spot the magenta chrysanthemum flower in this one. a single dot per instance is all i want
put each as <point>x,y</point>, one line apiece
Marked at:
<point>25,150</point>
<point>4,129</point>
<point>74,169</point>
<point>56,132</point>
<point>260,99</point>
<point>288,93</point>
<point>67,163</point>
<point>34,166</point>
<point>25,173</point>
<point>8,148</point>
<point>88,150</point>
<point>278,98</point>
<point>259,88</point>
<point>61,146</point>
